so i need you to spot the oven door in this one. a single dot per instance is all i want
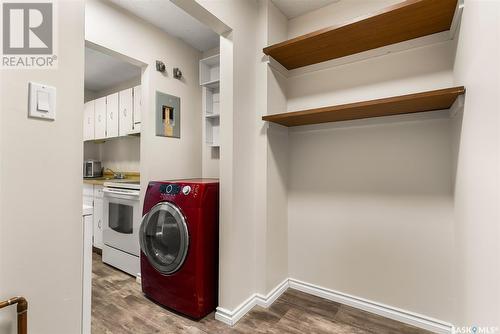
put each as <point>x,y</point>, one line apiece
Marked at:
<point>122,219</point>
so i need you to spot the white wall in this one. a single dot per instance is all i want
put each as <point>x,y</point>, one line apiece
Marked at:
<point>161,158</point>
<point>370,206</point>
<point>41,189</point>
<point>121,86</point>
<point>91,151</point>
<point>273,232</point>
<point>273,154</point>
<point>239,59</point>
<point>361,199</point>
<point>89,95</point>
<point>122,154</point>
<point>336,13</point>
<point>477,186</point>
<point>371,212</point>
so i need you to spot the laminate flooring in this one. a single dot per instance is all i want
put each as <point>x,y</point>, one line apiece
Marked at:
<point>119,307</point>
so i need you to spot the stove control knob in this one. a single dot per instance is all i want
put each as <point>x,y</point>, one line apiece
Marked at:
<point>186,190</point>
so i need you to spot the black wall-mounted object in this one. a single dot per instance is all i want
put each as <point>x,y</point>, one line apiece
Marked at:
<point>160,66</point>
<point>177,73</point>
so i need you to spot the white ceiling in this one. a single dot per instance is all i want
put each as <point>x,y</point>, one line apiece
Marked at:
<point>173,20</point>
<point>294,8</point>
<point>103,71</point>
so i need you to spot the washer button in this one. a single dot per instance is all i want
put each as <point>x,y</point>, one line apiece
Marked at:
<point>186,190</point>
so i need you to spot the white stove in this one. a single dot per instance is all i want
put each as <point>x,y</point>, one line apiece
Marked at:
<point>122,219</point>
<point>123,184</point>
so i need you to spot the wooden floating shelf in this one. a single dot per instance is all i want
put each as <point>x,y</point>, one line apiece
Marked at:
<point>404,104</point>
<point>398,23</point>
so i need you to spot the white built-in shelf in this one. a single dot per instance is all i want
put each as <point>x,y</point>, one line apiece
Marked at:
<point>212,129</point>
<point>209,80</point>
<point>209,71</point>
<point>214,84</point>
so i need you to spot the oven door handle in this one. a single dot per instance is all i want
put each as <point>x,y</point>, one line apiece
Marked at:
<point>132,195</point>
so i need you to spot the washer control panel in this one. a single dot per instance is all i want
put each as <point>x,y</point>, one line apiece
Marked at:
<point>175,189</point>
<point>186,190</point>
<point>170,189</point>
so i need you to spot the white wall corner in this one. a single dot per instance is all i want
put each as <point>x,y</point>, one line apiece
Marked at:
<point>275,65</point>
<point>457,18</point>
<point>421,321</point>
<point>232,317</point>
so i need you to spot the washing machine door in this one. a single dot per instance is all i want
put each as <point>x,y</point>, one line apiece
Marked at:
<point>164,237</point>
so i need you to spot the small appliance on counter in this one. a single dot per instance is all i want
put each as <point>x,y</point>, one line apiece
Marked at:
<point>92,168</point>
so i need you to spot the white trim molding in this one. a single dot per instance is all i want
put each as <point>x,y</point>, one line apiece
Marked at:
<point>231,317</point>
<point>407,317</point>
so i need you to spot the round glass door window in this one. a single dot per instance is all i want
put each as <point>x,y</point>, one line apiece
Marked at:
<point>164,237</point>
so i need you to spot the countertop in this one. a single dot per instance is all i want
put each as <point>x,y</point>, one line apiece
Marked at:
<point>99,181</point>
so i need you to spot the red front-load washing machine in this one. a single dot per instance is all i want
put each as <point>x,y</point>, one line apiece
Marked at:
<point>179,245</point>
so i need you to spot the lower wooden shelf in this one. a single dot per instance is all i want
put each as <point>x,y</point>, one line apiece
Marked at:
<point>396,105</point>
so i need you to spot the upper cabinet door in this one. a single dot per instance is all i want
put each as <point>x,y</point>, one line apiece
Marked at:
<point>88,121</point>
<point>126,112</point>
<point>100,118</point>
<point>137,108</point>
<point>112,115</point>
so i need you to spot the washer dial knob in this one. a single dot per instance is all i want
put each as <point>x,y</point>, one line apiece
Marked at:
<point>186,190</point>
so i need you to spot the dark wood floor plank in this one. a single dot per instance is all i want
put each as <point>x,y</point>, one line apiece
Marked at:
<point>119,307</point>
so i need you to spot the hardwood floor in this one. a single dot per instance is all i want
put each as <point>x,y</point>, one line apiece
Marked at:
<point>118,306</point>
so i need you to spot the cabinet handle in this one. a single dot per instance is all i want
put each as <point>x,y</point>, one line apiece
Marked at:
<point>111,115</point>
<point>125,112</point>
<point>99,117</point>
<point>99,225</point>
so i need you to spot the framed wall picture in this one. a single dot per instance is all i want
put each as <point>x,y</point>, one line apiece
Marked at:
<point>168,115</point>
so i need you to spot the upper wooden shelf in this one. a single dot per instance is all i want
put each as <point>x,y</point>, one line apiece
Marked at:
<point>401,22</point>
<point>404,104</point>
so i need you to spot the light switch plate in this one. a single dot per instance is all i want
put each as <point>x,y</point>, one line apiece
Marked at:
<point>42,101</point>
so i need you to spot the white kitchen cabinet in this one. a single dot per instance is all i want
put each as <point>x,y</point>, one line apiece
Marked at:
<point>126,104</point>
<point>88,194</point>
<point>93,196</point>
<point>88,121</point>
<point>112,115</point>
<point>87,271</point>
<point>100,118</point>
<point>98,217</point>
<point>137,109</point>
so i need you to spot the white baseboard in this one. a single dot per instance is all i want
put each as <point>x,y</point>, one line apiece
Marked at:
<point>407,317</point>
<point>232,317</point>
<point>414,319</point>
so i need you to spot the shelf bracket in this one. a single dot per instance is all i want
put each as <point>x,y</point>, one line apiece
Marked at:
<point>457,106</point>
<point>274,65</point>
